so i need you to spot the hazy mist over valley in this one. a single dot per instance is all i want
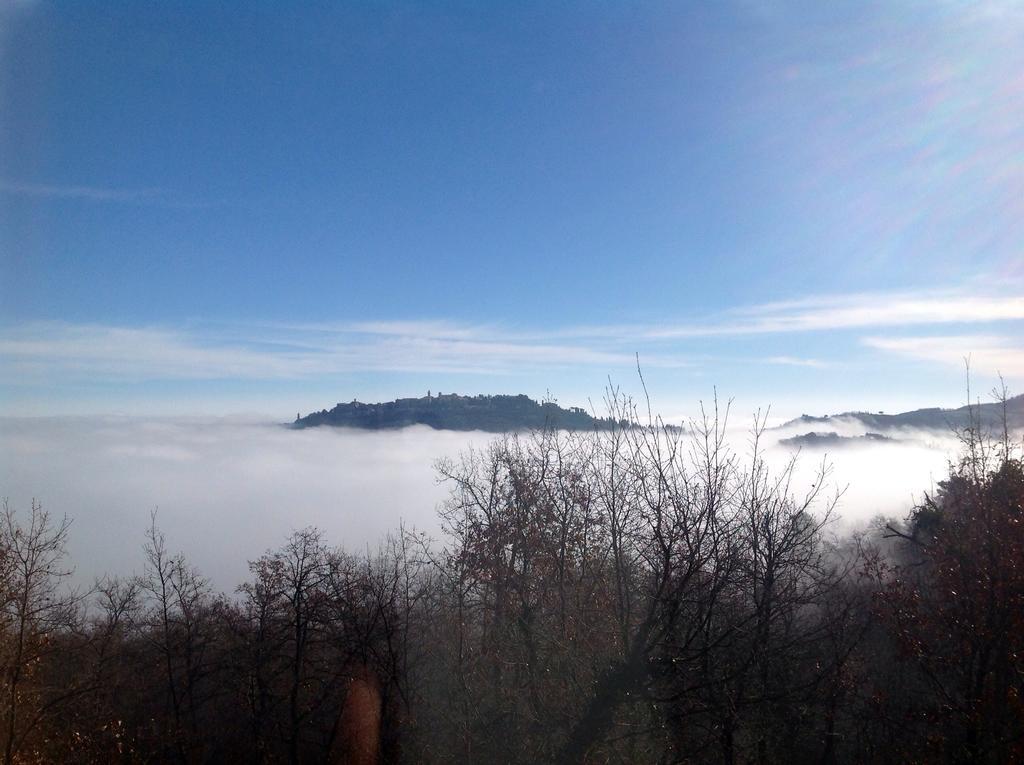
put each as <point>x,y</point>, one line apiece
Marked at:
<point>227,490</point>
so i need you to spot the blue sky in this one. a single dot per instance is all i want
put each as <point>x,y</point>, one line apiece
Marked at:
<point>208,208</point>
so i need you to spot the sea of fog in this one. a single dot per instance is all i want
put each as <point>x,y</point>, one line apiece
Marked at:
<point>227,490</point>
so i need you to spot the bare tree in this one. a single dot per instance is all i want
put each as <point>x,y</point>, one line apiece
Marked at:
<point>180,627</point>
<point>40,618</point>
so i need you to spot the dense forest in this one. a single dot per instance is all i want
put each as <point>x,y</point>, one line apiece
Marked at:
<point>629,594</point>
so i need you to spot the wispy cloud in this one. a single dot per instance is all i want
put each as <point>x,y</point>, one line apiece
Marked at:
<point>812,314</point>
<point>131,354</point>
<point>90,193</point>
<point>98,352</point>
<point>838,312</point>
<point>793,361</point>
<point>426,329</point>
<point>140,196</point>
<point>822,313</point>
<point>989,354</point>
<point>277,351</point>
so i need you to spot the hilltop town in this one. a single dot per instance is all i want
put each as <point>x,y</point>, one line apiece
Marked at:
<point>450,411</point>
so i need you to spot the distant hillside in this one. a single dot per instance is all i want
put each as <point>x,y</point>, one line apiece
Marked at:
<point>989,416</point>
<point>495,414</point>
<point>833,440</point>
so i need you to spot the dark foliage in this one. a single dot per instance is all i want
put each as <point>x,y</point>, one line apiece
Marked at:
<point>494,414</point>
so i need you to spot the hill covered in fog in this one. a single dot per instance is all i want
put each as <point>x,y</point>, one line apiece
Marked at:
<point>821,432</point>
<point>494,414</point>
<point>988,416</point>
<point>508,413</point>
<point>816,440</point>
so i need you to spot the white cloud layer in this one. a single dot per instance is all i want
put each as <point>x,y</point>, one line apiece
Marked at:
<point>227,490</point>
